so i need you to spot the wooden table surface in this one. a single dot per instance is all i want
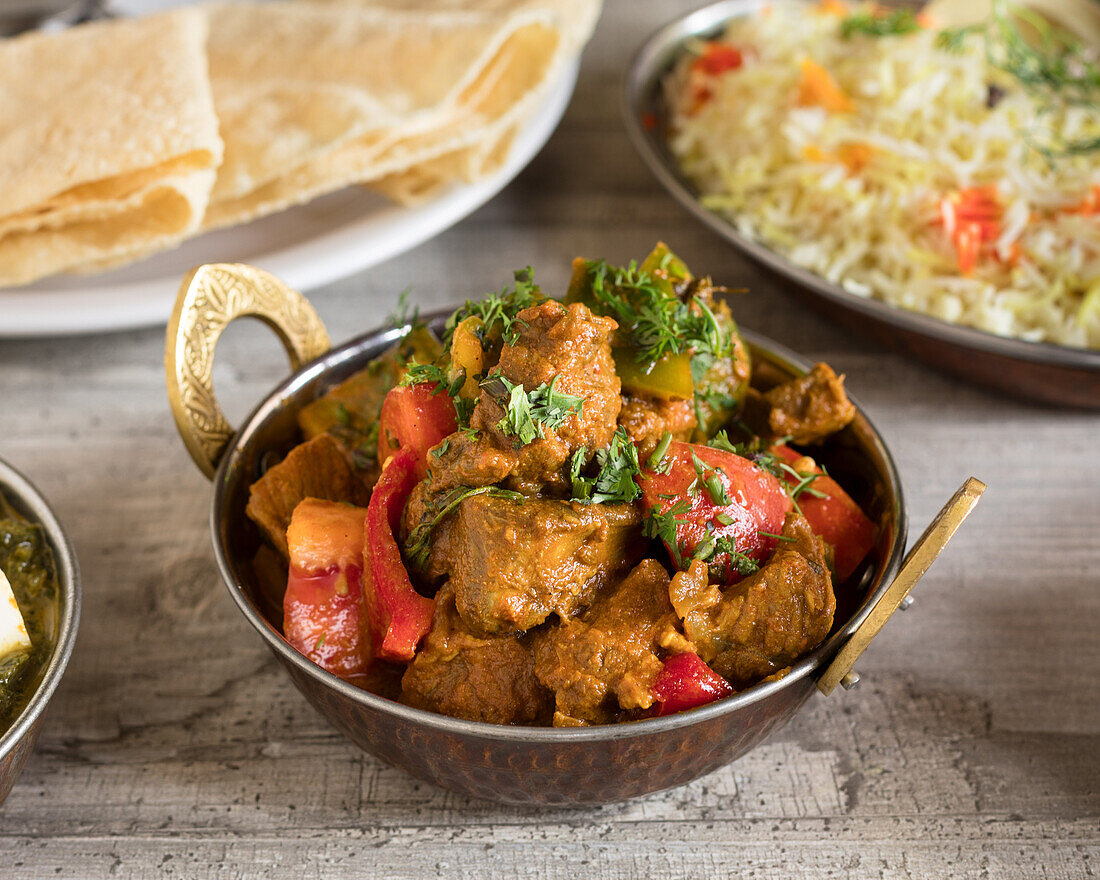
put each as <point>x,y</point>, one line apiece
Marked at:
<point>177,747</point>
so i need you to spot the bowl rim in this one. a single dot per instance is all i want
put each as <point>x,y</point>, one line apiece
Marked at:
<point>23,493</point>
<point>640,81</point>
<point>371,344</point>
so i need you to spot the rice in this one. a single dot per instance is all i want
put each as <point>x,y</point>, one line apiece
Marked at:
<point>857,196</point>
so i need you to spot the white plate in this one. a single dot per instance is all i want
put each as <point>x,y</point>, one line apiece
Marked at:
<point>307,247</point>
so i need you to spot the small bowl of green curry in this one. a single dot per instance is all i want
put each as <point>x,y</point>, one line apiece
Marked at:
<point>40,568</point>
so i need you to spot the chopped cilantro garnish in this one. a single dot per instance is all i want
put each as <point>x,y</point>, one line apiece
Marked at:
<point>576,465</point>
<point>498,311</point>
<point>519,418</point>
<point>419,374</point>
<point>456,383</point>
<point>896,22</point>
<point>401,316</point>
<point>614,483</point>
<point>722,441</point>
<point>662,525</point>
<point>527,414</point>
<point>655,320</point>
<point>802,485</point>
<point>744,565</point>
<point>796,483</point>
<point>708,476</point>
<point>441,449</point>
<point>656,461</point>
<point>1055,67</point>
<point>464,408</point>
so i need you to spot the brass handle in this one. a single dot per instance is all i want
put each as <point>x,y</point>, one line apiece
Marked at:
<point>915,564</point>
<point>210,298</point>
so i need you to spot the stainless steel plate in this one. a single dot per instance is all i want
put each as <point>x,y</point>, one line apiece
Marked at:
<point>1050,373</point>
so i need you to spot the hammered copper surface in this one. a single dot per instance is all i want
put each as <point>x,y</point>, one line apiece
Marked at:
<point>556,773</point>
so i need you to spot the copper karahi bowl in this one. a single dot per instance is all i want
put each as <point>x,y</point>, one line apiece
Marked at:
<point>520,765</point>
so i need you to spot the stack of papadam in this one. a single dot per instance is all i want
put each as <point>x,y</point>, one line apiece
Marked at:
<point>108,143</point>
<point>119,139</point>
<point>406,95</point>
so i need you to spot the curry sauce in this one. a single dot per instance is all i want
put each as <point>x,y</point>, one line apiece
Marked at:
<point>27,561</point>
<point>566,511</point>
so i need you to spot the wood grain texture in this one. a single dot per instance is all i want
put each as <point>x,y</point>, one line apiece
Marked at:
<point>176,747</point>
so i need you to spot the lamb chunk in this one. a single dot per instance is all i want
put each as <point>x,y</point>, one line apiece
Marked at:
<point>607,661</point>
<point>514,563</point>
<point>570,345</point>
<point>317,468</point>
<point>478,678</point>
<point>462,460</point>
<point>646,420</point>
<point>459,462</point>
<point>767,621</point>
<point>809,408</point>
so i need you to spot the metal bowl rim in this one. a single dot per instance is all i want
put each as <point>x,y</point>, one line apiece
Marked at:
<point>646,67</point>
<point>18,487</point>
<point>371,344</point>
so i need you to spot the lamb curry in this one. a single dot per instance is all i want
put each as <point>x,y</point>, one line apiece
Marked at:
<point>565,511</point>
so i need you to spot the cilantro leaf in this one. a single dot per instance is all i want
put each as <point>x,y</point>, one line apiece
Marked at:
<point>722,441</point>
<point>419,374</point>
<point>655,320</point>
<point>657,462</point>
<point>519,417</point>
<point>662,525</point>
<point>708,476</point>
<point>896,22</point>
<point>498,311</point>
<point>527,414</point>
<point>615,482</point>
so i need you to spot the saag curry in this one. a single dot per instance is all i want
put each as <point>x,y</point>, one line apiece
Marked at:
<point>27,562</point>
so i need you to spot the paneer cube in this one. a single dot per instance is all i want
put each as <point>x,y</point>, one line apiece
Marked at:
<point>13,632</point>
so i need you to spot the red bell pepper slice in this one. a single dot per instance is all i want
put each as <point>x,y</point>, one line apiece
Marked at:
<point>686,682</point>
<point>415,416</point>
<point>323,603</point>
<point>971,217</point>
<point>399,616</point>
<point>836,517</point>
<point>747,506</point>
<point>718,58</point>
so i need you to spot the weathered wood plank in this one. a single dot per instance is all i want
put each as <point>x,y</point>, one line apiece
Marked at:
<point>670,850</point>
